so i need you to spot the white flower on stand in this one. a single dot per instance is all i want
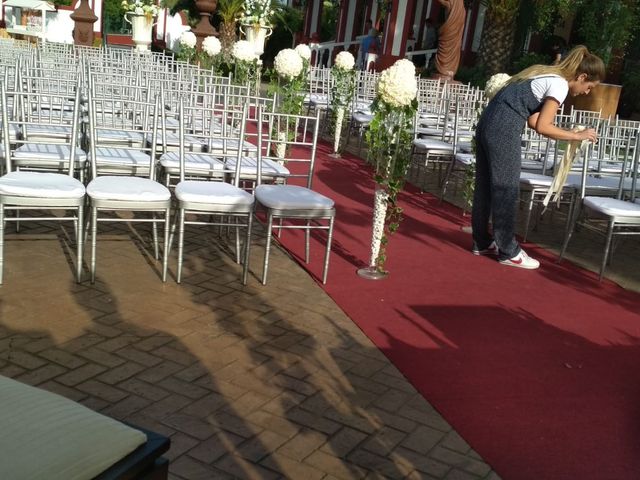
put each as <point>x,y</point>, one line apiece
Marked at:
<point>495,84</point>
<point>188,39</point>
<point>304,51</point>
<point>211,46</point>
<point>379,214</point>
<point>406,65</point>
<point>345,61</point>
<point>396,87</point>
<point>281,147</point>
<point>288,63</point>
<point>244,51</point>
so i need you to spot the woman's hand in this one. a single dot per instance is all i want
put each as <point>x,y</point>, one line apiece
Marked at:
<point>587,134</point>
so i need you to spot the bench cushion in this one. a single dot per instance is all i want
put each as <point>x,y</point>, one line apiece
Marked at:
<point>46,436</point>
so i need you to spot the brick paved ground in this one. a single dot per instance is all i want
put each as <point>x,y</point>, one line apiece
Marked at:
<point>249,382</point>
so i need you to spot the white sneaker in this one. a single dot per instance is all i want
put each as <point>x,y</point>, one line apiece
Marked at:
<point>521,260</point>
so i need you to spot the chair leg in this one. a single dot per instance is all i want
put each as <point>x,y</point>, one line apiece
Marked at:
<point>267,248</point>
<point>237,235</point>
<point>94,232</point>
<point>165,256</point>
<point>154,229</point>
<point>573,219</point>
<point>527,220</point>
<point>325,270</point>
<point>180,220</point>
<point>79,242</point>
<point>607,247</point>
<point>307,236</point>
<point>1,241</point>
<point>247,249</point>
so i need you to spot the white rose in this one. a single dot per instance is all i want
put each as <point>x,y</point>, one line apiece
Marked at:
<point>396,87</point>
<point>211,46</point>
<point>244,51</point>
<point>138,11</point>
<point>188,39</point>
<point>288,63</point>
<point>495,84</point>
<point>304,51</point>
<point>345,61</point>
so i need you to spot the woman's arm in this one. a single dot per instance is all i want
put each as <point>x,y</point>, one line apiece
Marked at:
<point>542,123</point>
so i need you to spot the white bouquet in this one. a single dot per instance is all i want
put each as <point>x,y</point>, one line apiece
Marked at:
<point>288,63</point>
<point>211,46</point>
<point>396,86</point>
<point>345,61</point>
<point>188,39</point>
<point>407,66</point>
<point>304,51</point>
<point>257,12</point>
<point>243,50</point>
<point>495,84</point>
<point>141,7</point>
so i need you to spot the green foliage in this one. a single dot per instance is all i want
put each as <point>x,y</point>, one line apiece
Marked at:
<point>606,25</point>
<point>630,99</point>
<point>113,16</point>
<point>290,93</point>
<point>290,18</point>
<point>548,12</point>
<point>528,59</point>
<point>229,10</point>
<point>389,138</point>
<point>329,21</point>
<point>476,75</point>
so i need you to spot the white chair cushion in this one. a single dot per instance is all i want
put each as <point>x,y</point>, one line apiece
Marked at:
<point>612,206</point>
<point>535,179</point>
<point>318,99</point>
<point>249,167</point>
<point>48,152</point>
<point>34,132</point>
<point>291,197</point>
<point>193,162</point>
<point>218,144</point>
<point>216,193</point>
<point>127,189</point>
<point>119,136</point>
<point>432,144</point>
<point>362,118</point>
<point>598,183</point>
<point>121,156</point>
<point>190,142</point>
<point>466,158</point>
<point>46,436</point>
<point>41,185</point>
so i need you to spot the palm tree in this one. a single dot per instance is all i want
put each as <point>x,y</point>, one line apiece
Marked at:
<point>229,11</point>
<point>498,33</point>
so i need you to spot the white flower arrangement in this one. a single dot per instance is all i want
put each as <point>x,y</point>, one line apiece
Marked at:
<point>188,39</point>
<point>304,51</point>
<point>257,12</point>
<point>211,46</point>
<point>495,84</point>
<point>288,63</point>
<point>141,7</point>
<point>345,60</point>
<point>407,66</point>
<point>243,50</point>
<point>396,87</point>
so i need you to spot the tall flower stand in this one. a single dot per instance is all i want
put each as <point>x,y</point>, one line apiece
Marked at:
<point>141,26</point>
<point>337,133</point>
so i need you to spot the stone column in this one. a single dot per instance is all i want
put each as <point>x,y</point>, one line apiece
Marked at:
<point>83,19</point>
<point>204,28</point>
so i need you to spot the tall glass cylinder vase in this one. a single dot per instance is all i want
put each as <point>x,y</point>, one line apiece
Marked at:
<point>337,131</point>
<point>380,204</point>
<point>141,28</point>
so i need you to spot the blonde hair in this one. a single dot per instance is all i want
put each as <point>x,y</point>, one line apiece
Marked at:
<point>578,61</point>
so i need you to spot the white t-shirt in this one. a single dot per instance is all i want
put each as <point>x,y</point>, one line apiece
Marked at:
<point>553,86</point>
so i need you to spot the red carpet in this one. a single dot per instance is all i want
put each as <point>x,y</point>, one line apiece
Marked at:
<point>538,370</point>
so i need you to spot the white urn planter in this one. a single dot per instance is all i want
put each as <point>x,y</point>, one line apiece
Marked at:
<point>141,26</point>
<point>256,35</point>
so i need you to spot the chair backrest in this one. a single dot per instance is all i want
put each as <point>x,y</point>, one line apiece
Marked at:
<point>32,110</point>
<point>132,114</point>
<point>290,139</point>
<point>222,130</point>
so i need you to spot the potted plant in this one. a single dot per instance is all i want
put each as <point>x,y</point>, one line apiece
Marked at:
<point>140,14</point>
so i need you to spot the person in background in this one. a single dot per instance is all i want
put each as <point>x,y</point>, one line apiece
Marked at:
<point>370,44</point>
<point>531,96</point>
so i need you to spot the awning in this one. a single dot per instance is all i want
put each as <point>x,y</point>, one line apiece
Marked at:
<point>31,5</point>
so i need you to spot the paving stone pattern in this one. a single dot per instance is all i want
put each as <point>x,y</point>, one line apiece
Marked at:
<point>249,382</point>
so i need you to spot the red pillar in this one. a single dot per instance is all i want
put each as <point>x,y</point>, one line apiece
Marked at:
<point>397,29</point>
